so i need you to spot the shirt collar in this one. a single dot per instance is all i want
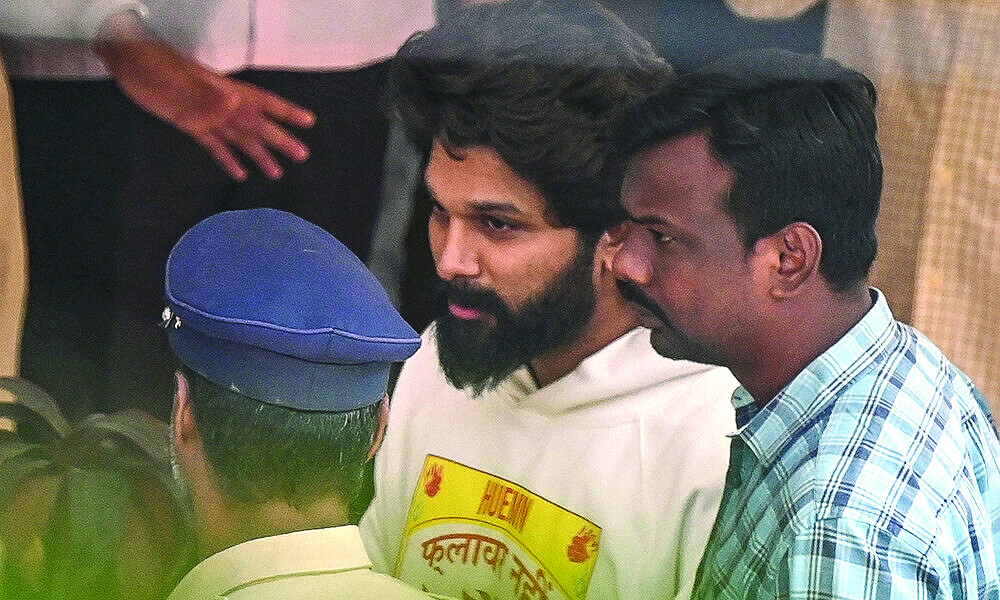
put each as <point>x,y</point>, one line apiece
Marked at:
<point>312,551</point>
<point>768,430</point>
<point>625,367</point>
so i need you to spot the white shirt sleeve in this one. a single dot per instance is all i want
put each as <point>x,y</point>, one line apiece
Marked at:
<point>770,9</point>
<point>61,19</point>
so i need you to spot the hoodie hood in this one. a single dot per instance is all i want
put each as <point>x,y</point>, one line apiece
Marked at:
<point>622,370</point>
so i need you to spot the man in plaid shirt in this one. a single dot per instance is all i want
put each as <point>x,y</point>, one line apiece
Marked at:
<point>865,464</point>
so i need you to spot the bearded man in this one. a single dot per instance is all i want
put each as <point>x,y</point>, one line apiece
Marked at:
<point>537,446</point>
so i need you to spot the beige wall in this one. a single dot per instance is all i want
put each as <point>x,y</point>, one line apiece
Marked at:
<point>936,67</point>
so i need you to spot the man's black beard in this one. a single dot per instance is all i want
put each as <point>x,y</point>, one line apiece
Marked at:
<point>478,354</point>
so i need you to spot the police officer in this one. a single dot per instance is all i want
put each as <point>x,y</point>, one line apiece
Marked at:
<point>285,341</point>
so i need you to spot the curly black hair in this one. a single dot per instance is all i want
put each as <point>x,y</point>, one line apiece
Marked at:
<point>541,82</point>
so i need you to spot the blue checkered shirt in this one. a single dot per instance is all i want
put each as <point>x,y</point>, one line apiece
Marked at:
<point>874,474</point>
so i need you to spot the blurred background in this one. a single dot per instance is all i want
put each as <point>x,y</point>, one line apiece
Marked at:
<point>97,185</point>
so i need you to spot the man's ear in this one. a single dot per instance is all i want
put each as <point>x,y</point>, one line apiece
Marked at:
<point>607,247</point>
<point>383,422</point>
<point>185,429</point>
<point>793,256</point>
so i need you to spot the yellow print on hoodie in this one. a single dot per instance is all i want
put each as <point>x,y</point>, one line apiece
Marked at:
<point>470,534</point>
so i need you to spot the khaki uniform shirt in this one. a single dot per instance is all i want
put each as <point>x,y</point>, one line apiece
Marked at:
<point>316,564</point>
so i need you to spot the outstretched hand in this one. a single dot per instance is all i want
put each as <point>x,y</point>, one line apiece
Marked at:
<point>222,114</point>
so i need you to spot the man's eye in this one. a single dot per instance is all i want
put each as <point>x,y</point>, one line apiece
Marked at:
<point>660,237</point>
<point>438,214</point>
<point>498,224</point>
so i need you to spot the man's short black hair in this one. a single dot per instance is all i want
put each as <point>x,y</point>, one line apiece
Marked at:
<point>262,452</point>
<point>799,133</point>
<point>540,82</point>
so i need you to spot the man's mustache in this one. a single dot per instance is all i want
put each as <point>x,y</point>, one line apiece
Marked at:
<point>470,296</point>
<point>633,294</point>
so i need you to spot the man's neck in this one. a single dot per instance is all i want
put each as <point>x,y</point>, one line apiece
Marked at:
<point>611,320</point>
<point>252,521</point>
<point>801,334</point>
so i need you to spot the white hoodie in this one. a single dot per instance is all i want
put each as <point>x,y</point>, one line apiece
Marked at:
<point>603,484</point>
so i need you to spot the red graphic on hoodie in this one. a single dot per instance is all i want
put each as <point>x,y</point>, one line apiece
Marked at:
<point>583,546</point>
<point>433,480</point>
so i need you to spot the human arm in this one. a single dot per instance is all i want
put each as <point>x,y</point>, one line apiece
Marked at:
<point>851,559</point>
<point>13,247</point>
<point>220,113</point>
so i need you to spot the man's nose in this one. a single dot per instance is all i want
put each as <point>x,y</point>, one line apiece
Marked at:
<point>633,261</point>
<point>458,257</point>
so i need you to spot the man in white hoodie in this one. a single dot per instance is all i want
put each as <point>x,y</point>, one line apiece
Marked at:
<point>537,446</point>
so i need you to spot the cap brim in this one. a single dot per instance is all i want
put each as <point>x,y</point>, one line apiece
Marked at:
<point>280,379</point>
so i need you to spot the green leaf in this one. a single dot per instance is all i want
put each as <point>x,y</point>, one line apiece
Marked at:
<point>14,471</point>
<point>36,413</point>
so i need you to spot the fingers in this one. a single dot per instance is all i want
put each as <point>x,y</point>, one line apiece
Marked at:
<point>286,111</point>
<point>220,151</point>
<point>254,136</point>
<point>246,122</point>
<point>264,159</point>
<point>278,138</point>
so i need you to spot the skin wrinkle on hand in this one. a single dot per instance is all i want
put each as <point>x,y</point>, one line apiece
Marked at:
<point>220,113</point>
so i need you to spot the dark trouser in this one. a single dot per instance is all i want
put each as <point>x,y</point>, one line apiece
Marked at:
<point>109,189</point>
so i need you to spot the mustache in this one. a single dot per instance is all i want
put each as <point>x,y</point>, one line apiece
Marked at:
<point>468,295</point>
<point>633,294</point>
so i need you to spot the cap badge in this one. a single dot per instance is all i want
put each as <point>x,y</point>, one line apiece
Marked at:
<point>169,320</point>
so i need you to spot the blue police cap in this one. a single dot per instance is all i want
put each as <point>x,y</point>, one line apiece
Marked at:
<point>268,305</point>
